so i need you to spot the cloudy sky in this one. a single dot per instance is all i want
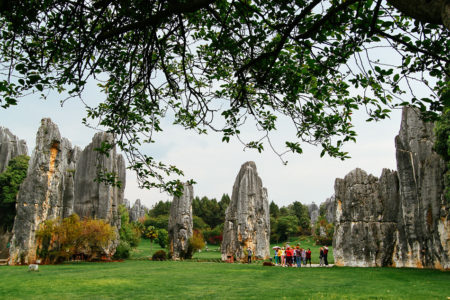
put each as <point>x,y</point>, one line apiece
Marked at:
<point>214,165</point>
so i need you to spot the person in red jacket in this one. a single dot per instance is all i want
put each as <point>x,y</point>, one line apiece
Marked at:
<point>308,257</point>
<point>289,254</point>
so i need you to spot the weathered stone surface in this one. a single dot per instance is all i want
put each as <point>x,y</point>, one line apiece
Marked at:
<point>94,199</point>
<point>330,209</point>
<point>366,214</point>
<point>247,221</point>
<point>423,239</point>
<point>137,211</point>
<point>180,222</point>
<point>313,211</point>
<point>42,194</point>
<point>401,219</point>
<point>10,147</point>
<point>127,204</point>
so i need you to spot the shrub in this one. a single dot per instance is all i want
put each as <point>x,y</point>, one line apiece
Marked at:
<point>323,241</point>
<point>163,238</point>
<point>129,232</point>
<point>58,240</point>
<point>196,242</point>
<point>122,250</point>
<point>159,255</point>
<point>213,236</point>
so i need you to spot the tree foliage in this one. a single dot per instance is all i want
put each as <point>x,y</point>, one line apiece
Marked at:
<point>10,181</point>
<point>130,233</point>
<point>160,208</point>
<point>442,144</point>
<point>213,65</point>
<point>288,221</point>
<point>209,210</point>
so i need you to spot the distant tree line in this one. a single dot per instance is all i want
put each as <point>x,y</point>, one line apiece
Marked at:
<point>288,221</point>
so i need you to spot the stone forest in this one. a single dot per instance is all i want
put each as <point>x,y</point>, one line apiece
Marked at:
<point>398,220</point>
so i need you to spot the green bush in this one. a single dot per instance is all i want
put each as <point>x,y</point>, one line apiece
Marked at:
<point>122,250</point>
<point>163,238</point>
<point>159,255</point>
<point>323,241</point>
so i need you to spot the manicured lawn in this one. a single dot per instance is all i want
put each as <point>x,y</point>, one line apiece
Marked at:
<point>143,251</point>
<point>143,279</point>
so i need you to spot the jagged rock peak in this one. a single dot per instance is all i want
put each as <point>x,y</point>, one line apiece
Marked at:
<point>247,221</point>
<point>365,218</point>
<point>313,211</point>
<point>127,204</point>
<point>45,191</point>
<point>10,147</point>
<point>424,235</point>
<point>137,211</point>
<point>402,218</point>
<point>96,199</point>
<point>330,209</point>
<point>180,222</point>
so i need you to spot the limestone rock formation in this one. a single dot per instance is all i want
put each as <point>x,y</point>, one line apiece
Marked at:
<point>330,209</point>
<point>313,211</point>
<point>59,182</point>
<point>247,221</point>
<point>43,193</point>
<point>423,239</point>
<point>137,211</point>
<point>401,219</point>
<point>180,222</point>
<point>94,199</point>
<point>10,147</point>
<point>366,215</point>
<point>126,203</point>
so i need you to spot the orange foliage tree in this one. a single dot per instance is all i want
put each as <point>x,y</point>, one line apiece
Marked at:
<point>59,240</point>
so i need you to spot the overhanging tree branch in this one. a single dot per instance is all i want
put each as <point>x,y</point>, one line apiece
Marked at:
<point>173,9</point>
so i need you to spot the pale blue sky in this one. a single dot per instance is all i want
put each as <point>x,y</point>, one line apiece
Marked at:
<point>213,164</point>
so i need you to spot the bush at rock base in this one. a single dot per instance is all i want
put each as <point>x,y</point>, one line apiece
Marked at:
<point>159,255</point>
<point>122,250</point>
<point>59,240</point>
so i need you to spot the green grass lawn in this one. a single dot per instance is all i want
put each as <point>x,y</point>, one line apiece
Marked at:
<point>140,278</point>
<point>143,251</point>
<point>144,279</point>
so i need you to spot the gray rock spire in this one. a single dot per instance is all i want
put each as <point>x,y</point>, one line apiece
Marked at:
<point>247,220</point>
<point>180,222</point>
<point>45,190</point>
<point>402,218</point>
<point>10,147</point>
<point>96,199</point>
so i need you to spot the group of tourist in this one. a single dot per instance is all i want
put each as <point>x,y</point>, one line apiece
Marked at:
<point>296,256</point>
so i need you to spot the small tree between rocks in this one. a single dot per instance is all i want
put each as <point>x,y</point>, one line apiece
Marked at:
<point>196,242</point>
<point>151,233</point>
